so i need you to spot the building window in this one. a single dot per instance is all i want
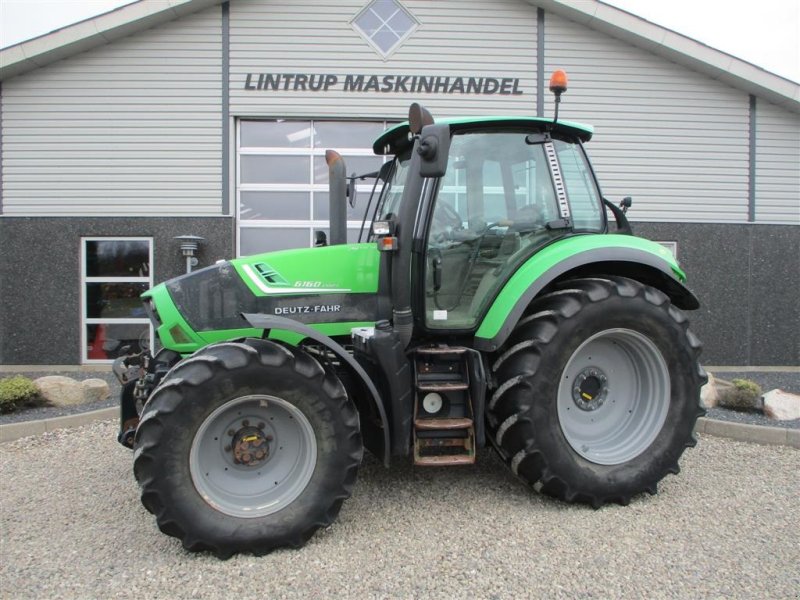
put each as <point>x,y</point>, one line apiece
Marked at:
<point>114,273</point>
<point>282,179</point>
<point>671,246</point>
<point>385,24</point>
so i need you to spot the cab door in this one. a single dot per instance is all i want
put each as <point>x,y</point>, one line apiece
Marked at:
<point>490,214</point>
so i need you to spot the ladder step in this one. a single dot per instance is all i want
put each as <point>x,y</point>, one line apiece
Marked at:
<point>429,386</point>
<point>458,423</point>
<point>442,350</point>
<point>441,461</point>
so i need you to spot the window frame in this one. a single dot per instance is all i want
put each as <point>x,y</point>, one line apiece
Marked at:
<point>85,279</point>
<point>385,54</point>
<point>310,187</point>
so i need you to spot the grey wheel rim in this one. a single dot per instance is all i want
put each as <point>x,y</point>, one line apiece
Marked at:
<point>281,446</point>
<point>613,396</point>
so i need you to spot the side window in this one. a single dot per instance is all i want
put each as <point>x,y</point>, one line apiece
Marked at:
<point>584,199</point>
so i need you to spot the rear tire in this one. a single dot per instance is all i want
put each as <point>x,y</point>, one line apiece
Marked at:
<point>247,446</point>
<point>597,391</point>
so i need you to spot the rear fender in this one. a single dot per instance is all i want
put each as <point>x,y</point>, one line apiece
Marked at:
<point>647,262</point>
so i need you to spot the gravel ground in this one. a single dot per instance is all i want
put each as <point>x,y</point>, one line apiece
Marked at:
<point>71,526</point>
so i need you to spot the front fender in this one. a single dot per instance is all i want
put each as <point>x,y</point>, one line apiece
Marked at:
<point>582,256</point>
<point>269,322</point>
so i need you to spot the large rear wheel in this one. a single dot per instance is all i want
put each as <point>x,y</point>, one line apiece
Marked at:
<point>247,447</point>
<point>597,391</point>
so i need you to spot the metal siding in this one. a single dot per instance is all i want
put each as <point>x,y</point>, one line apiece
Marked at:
<point>468,38</point>
<point>777,165</point>
<point>131,128</point>
<point>673,139</point>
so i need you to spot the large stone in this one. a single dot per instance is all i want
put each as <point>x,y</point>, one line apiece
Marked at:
<point>95,390</point>
<point>60,391</point>
<point>781,406</point>
<point>708,393</point>
<point>65,391</point>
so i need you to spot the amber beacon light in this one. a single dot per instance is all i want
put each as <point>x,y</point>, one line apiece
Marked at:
<point>558,85</point>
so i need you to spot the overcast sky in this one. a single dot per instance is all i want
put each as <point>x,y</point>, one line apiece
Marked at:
<point>765,33</point>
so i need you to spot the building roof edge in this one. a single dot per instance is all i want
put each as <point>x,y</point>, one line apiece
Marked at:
<point>91,33</point>
<point>678,48</point>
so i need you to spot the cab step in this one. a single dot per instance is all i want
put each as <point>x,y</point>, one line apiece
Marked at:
<point>433,424</point>
<point>445,386</point>
<point>444,427</point>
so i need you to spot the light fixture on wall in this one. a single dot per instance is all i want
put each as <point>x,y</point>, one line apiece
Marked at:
<point>189,245</point>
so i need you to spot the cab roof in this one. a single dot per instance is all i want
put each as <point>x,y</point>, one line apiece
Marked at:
<point>396,139</point>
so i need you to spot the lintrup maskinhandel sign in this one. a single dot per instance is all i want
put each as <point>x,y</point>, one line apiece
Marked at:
<point>386,84</point>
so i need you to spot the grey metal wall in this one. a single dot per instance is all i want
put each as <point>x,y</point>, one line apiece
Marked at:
<point>132,127</point>
<point>673,139</point>
<point>467,38</point>
<point>777,165</point>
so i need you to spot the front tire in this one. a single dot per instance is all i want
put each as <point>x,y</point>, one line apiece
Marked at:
<point>597,391</point>
<point>247,447</point>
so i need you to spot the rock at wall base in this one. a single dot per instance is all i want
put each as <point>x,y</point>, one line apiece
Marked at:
<point>781,406</point>
<point>65,391</point>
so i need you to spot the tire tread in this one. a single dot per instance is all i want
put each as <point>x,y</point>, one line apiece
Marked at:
<point>515,367</point>
<point>198,370</point>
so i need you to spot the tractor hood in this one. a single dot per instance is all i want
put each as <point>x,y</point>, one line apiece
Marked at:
<point>330,288</point>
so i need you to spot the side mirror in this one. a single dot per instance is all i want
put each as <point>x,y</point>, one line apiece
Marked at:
<point>351,190</point>
<point>418,117</point>
<point>320,239</point>
<point>623,225</point>
<point>433,148</point>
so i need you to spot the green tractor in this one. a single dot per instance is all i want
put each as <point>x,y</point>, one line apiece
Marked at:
<point>489,303</point>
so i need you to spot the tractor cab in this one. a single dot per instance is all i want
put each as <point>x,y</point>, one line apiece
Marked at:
<point>508,188</point>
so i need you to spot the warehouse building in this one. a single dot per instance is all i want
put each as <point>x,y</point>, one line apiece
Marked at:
<point>206,118</point>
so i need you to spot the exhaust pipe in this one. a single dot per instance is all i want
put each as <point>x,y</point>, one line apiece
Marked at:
<point>337,195</point>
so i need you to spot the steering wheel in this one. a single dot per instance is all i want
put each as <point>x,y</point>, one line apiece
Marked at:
<point>446,220</point>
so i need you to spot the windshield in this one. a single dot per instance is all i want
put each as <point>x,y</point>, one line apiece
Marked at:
<point>391,193</point>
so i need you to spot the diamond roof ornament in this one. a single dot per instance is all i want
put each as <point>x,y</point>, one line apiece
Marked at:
<point>385,24</point>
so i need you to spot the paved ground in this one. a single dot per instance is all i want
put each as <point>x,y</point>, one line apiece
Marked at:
<point>71,526</point>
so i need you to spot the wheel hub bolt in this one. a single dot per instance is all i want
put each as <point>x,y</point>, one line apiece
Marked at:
<point>591,389</point>
<point>250,446</point>
<point>261,425</point>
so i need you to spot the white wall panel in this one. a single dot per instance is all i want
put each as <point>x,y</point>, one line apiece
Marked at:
<point>130,128</point>
<point>673,139</point>
<point>459,38</point>
<point>777,164</point>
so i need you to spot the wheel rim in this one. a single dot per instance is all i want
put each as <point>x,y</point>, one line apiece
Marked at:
<point>253,456</point>
<point>613,396</point>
